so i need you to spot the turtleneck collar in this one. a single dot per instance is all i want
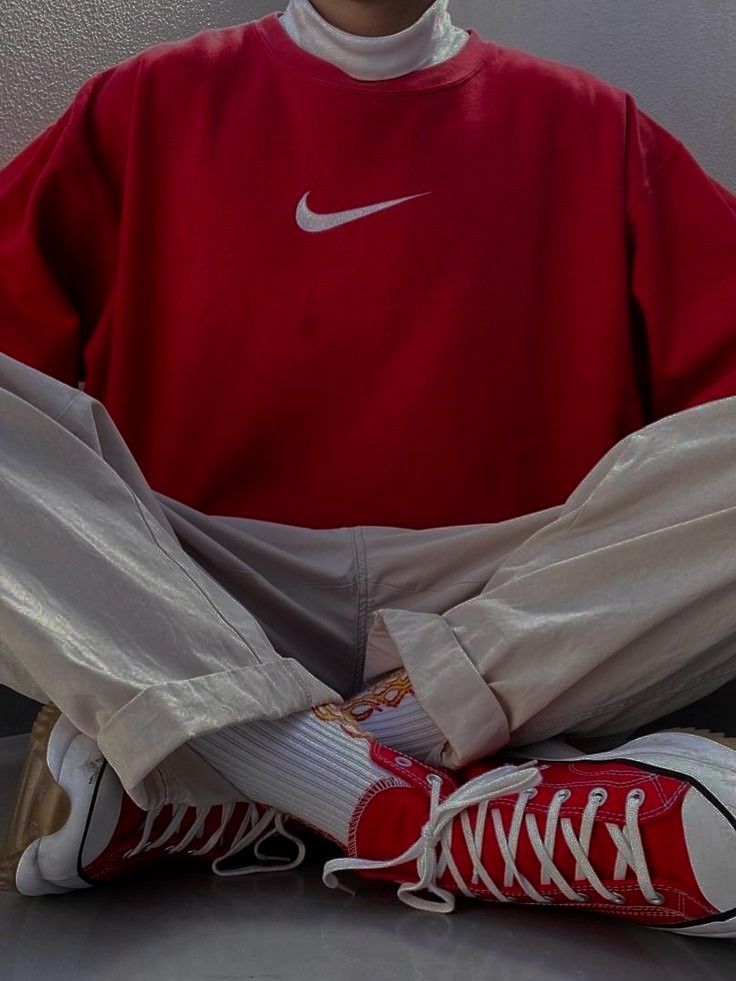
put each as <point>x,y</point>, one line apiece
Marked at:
<point>430,40</point>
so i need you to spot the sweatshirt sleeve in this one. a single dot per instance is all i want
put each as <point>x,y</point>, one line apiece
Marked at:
<point>59,207</point>
<point>682,240</point>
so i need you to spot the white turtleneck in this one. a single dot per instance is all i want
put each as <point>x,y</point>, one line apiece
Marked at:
<point>431,39</point>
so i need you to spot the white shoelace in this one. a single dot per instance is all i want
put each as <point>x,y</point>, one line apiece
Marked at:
<point>257,826</point>
<point>483,789</point>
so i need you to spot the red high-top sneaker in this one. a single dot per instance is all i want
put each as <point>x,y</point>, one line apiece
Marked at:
<point>73,825</point>
<point>645,833</point>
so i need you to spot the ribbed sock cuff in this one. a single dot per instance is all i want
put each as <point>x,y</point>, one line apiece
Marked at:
<point>302,765</point>
<point>391,712</point>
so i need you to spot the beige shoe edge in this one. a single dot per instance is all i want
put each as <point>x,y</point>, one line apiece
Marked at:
<point>41,806</point>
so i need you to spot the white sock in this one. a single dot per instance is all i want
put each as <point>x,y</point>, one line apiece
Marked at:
<point>391,711</point>
<point>311,765</point>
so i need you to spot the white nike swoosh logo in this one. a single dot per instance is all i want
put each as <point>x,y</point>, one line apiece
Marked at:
<point>310,221</point>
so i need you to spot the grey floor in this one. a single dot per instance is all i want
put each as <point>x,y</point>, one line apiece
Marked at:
<point>190,925</point>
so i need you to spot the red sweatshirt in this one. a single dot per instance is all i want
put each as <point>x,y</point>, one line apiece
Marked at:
<point>185,240</point>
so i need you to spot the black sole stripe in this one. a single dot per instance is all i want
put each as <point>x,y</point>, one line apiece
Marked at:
<point>80,871</point>
<point>716,917</point>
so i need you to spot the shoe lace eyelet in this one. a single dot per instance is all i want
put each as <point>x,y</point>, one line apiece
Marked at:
<point>532,792</point>
<point>403,761</point>
<point>618,899</point>
<point>563,795</point>
<point>599,794</point>
<point>659,900</point>
<point>637,795</point>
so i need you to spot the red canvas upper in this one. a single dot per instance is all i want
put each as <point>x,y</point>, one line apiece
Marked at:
<point>567,274</point>
<point>388,821</point>
<point>113,861</point>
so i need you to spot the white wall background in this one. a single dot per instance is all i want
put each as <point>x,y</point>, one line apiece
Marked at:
<point>678,57</point>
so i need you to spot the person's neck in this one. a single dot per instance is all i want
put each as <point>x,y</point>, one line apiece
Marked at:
<point>371,18</point>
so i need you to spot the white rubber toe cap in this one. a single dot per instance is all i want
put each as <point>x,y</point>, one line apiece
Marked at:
<point>711,844</point>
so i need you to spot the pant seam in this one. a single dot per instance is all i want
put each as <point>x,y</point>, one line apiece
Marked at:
<point>361,606</point>
<point>424,589</point>
<point>68,406</point>
<point>191,579</point>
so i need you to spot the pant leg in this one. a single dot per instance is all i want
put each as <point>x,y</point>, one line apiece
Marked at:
<point>104,613</point>
<point>299,583</point>
<point>618,608</point>
<point>428,570</point>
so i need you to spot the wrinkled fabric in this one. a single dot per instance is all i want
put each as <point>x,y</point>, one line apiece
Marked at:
<point>103,612</point>
<point>606,614</point>
<point>149,623</point>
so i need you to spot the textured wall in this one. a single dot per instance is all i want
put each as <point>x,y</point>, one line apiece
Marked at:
<point>675,56</point>
<point>48,49</point>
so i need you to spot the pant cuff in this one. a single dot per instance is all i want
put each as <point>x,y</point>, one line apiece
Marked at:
<point>446,682</point>
<point>144,741</point>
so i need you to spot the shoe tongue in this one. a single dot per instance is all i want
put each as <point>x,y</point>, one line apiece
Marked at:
<point>391,821</point>
<point>660,828</point>
<point>212,822</point>
<point>601,851</point>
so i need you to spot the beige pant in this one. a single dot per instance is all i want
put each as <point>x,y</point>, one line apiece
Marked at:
<point>148,622</point>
